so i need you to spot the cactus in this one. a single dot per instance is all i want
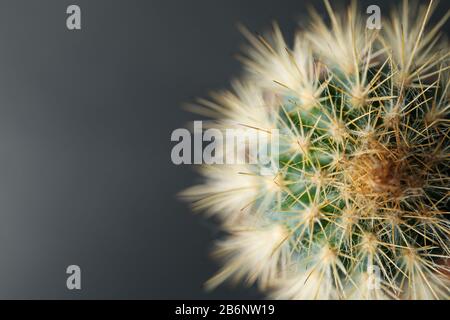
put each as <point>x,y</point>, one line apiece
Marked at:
<point>356,205</point>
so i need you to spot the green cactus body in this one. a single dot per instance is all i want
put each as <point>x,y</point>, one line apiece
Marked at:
<point>357,205</point>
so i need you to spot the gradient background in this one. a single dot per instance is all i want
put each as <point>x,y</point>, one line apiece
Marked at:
<point>85,123</point>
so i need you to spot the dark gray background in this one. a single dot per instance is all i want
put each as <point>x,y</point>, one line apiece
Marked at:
<point>85,123</point>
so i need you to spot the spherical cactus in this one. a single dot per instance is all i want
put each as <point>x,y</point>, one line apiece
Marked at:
<point>355,205</point>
